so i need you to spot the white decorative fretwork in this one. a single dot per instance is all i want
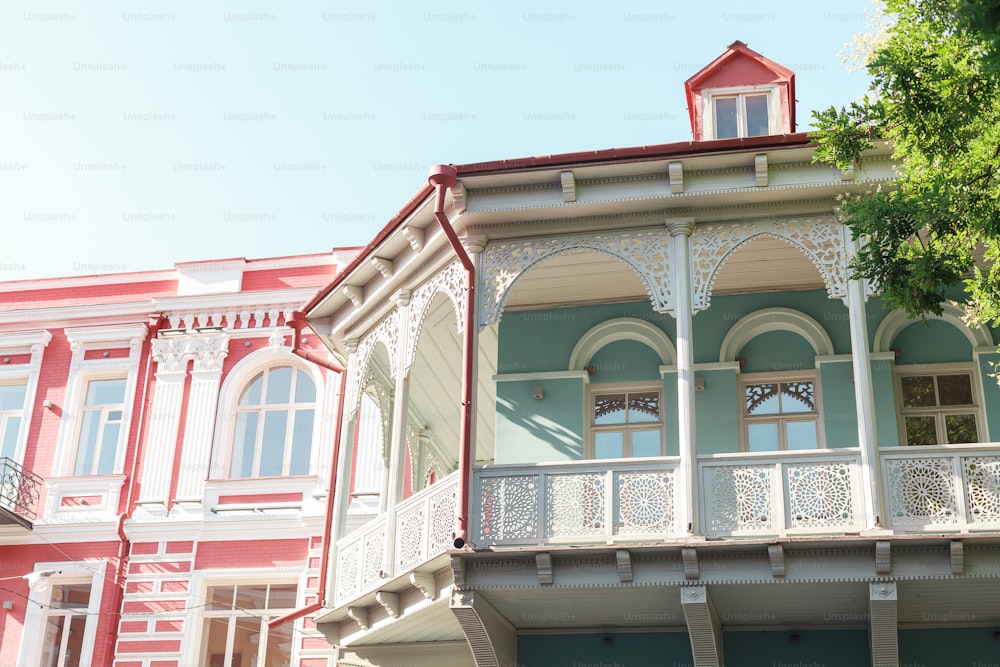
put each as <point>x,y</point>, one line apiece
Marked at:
<point>921,492</point>
<point>348,562</point>
<point>982,485</point>
<point>646,251</point>
<point>644,502</point>
<point>740,498</point>
<point>409,536</point>
<point>575,505</point>
<point>820,495</point>
<point>372,566</point>
<point>508,508</point>
<point>385,332</point>
<point>443,504</point>
<point>820,239</point>
<point>450,281</point>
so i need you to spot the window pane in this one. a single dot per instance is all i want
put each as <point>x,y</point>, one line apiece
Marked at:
<point>106,392</point>
<point>251,395</point>
<point>608,446</point>
<point>214,641</point>
<point>244,443</point>
<point>762,399</point>
<point>920,431</point>
<point>955,389</point>
<point>71,596</point>
<point>220,597</point>
<point>109,449</point>
<point>246,641</point>
<point>52,640</point>
<point>305,390</point>
<point>756,106</point>
<point>961,428</point>
<point>302,428</point>
<point>88,442</point>
<point>644,407</point>
<point>12,396</point>
<point>279,646</point>
<point>725,117</point>
<point>918,391</point>
<point>797,397</point>
<point>762,437</point>
<point>282,597</point>
<point>272,446</point>
<point>609,409</point>
<point>74,647</point>
<point>279,385</point>
<point>251,597</point>
<point>646,443</point>
<point>10,426</point>
<point>800,435</point>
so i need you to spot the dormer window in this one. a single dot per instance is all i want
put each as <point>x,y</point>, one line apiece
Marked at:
<point>731,113</point>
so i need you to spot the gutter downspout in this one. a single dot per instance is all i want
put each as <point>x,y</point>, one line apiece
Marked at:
<point>156,321</point>
<point>297,323</point>
<point>443,177</point>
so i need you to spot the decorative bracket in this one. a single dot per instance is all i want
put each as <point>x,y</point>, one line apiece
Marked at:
<point>624,559</point>
<point>390,601</point>
<point>776,553</point>
<point>883,557</point>
<point>957,556</point>
<point>424,583</point>
<point>690,557</point>
<point>675,171</point>
<point>760,169</point>
<point>544,563</point>
<point>359,615</point>
<point>415,236</point>
<point>356,293</point>
<point>568,186</point>
<point>383,266</point>
<point>458,571</point>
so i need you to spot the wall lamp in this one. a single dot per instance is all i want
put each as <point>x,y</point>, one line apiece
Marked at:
<point>538,392</point>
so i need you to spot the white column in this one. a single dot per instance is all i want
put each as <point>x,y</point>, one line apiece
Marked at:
<point>342,488</point>
<point>170,355</point>
<point>397,442</point>
<point>687,481</point>
<point>863,392</point>
<point>209,351</point>
<point>475,247</point>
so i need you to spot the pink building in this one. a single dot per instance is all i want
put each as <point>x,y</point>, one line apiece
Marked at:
<point>165,461</point>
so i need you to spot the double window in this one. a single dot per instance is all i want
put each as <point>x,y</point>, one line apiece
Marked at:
<point>731,113</point>
<point>780,414</point>
<point>274,424</point>
<point>65,623</point>
<point>100,427</point>
<point>626,423</point>
<point>235,631</point>
<point>938,408</point>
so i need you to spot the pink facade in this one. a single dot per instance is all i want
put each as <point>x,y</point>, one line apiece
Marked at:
<point>165,466</point>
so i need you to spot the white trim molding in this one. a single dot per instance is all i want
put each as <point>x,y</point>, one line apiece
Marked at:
<point>775,319</point>
<point>33,343</point>
<point>894,323</point>
<point>621,328</point>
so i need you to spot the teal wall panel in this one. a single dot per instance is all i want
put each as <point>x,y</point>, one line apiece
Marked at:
<point>550,429</point>
<point>625,361</point>
<point>949,647</point>
<point>931,342</point>
<point>715,413</point>
<point>813,648</point>
<point>633,649</point>
<point>840,415</point>
<point>884,388</point>
<point>991,395</point>
<point>778,352</point>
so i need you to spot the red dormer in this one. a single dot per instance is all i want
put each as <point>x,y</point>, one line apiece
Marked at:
<point>741,94</point>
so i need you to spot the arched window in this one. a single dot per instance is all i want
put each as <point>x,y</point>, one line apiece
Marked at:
<point>274,424</point>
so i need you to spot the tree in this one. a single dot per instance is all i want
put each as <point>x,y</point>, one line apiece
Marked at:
<point>935,94</point>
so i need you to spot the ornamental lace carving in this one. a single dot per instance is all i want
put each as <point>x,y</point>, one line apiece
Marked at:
<point>982,482</point>
<point>820,495</point>
<point>646,251</point>
<point>819,239</point>
<point>921,492</point>
<point>385,332</point>
<point>740,498</point>
<point>644,503</point>
<point>450,282</point>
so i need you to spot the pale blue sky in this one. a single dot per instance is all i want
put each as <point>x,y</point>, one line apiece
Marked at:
<point>138,134</point>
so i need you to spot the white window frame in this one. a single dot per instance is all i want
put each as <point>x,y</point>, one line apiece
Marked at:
<point>82,371</point>
<point>594,390</point>
<point>11,344</point>
<point>92,572</point>
<point>191,645</point>
<point>710,96</point>
<point>963,368</point>
<point>232,388</point>
<point>780,418</point>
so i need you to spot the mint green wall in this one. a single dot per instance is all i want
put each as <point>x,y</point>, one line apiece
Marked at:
<point>884,388</point>
<point>951,647</point>
<point>671,429</point>
<point>840,415</point>
<point>712,325</point>
<point>542,340</point>
<point>715,413</point>
<point>626,649</point>
<point>777,352</point>
<point>931,342</point>
<point>833,648</point>
<point>991,395</point>
<point>549,429</point>
<point>625,361</point>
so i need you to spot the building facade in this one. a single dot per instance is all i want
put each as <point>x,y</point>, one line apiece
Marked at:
<point>635,410</point>
<point>165,466</point>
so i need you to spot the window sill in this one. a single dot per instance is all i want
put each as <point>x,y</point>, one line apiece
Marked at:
<point>81,499</point>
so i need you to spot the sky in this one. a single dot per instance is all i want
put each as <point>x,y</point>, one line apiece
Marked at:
<point>134,135</point>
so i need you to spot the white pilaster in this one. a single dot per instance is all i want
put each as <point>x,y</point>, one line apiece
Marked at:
<point>475,247</point>
<point>209,351</point>
<point>342,486</point>
<point>170,355</point>
<point>397,442</point>
<point>687,481</point>
<point>863,392</point>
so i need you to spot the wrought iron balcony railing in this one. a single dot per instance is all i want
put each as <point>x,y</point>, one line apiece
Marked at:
<point>20,490</point>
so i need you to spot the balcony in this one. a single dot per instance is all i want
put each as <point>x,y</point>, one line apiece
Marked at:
<point>949,488</point>
<point>423,525</point>
<point>20,490</point>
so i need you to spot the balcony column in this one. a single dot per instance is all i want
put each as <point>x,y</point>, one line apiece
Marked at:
<point>687,481</point>
<point>397,442</point>
<point>863,392</point>
<point>474,246</point>
<point>342,487</point>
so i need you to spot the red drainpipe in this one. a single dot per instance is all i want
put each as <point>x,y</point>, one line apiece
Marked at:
<point>443,177</point>
<point>156,321</point>
<point>298,323</point>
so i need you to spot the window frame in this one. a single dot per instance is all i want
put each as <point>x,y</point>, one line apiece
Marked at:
<point>939,412</point>
<point>32,343</point>
<point>103,410</point>
<point>777,378</point>
<point>710,97</point>
<point>594,390</point>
